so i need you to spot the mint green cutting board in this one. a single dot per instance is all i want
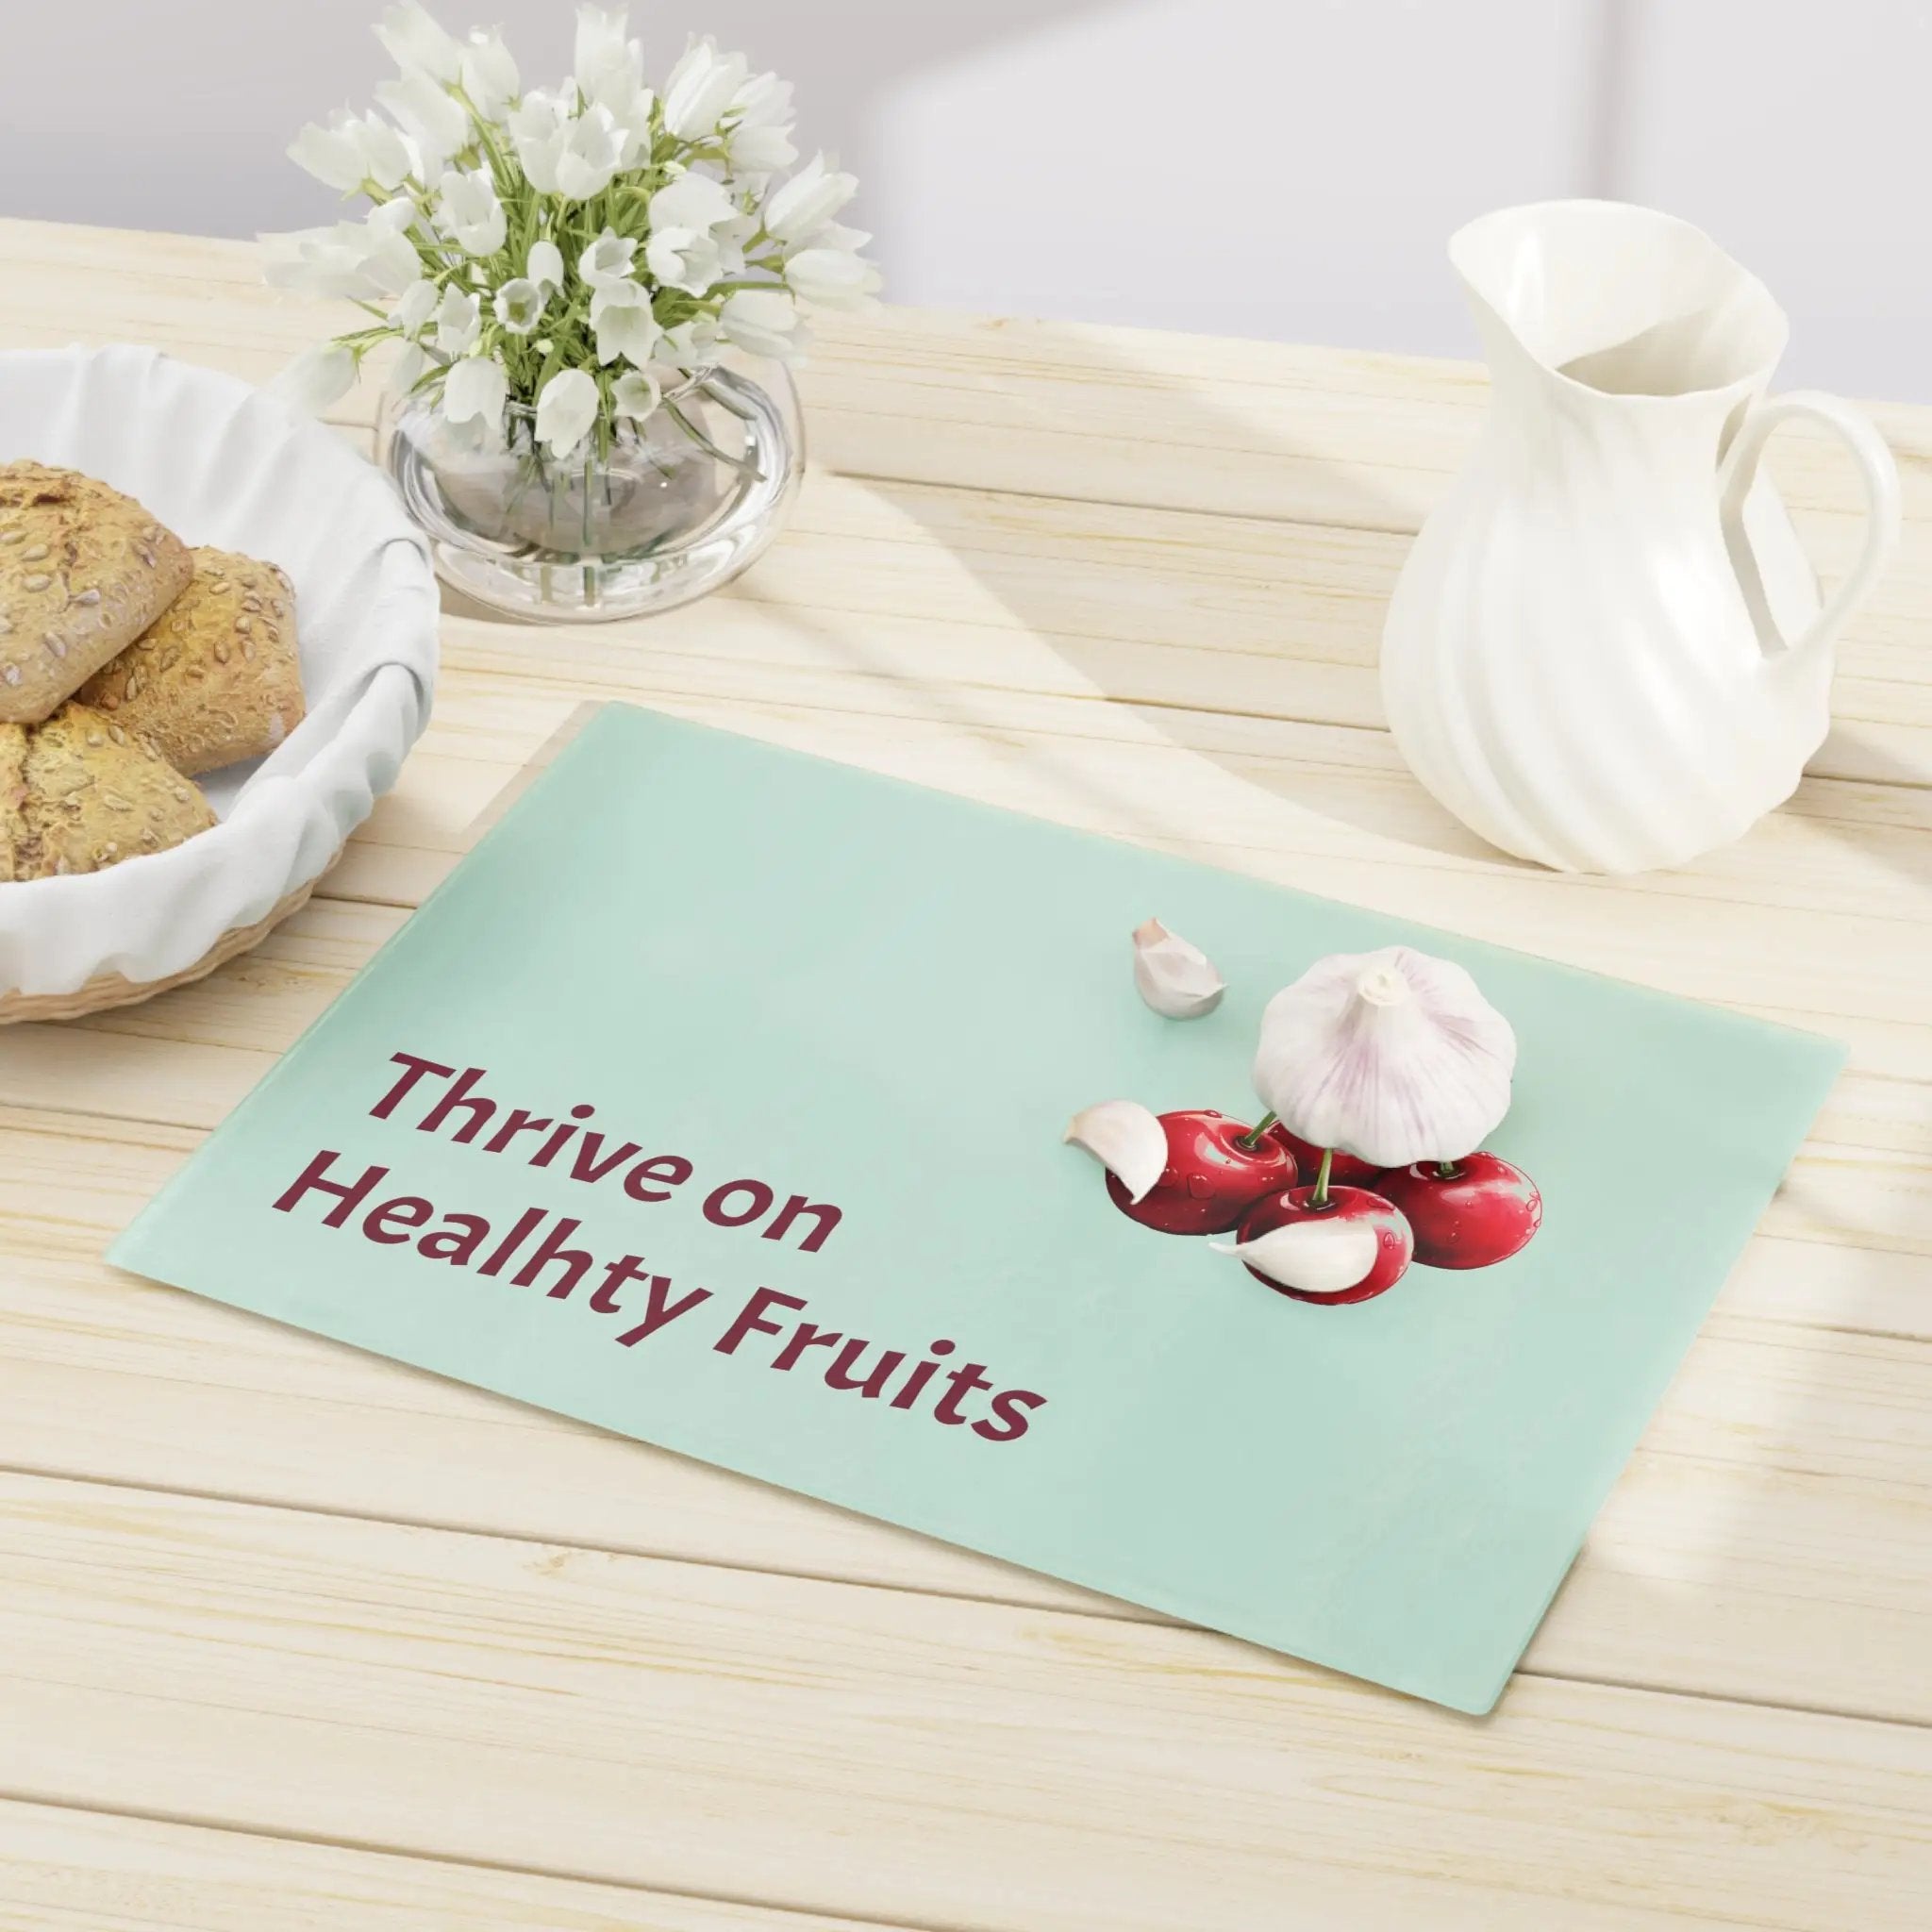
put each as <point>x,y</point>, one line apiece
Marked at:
<point>889,1000</point>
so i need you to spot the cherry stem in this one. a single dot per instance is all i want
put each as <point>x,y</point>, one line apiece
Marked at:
<point>1320,1197</point>
<point>1252,1139</point>
<point>1448,1169</point>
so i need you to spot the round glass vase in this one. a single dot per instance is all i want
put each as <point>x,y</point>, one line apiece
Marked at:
<point>671,509</point>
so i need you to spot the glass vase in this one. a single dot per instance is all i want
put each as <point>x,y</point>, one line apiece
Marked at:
<point>668,510</point>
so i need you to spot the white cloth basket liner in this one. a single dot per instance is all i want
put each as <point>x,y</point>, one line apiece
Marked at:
<point>220,463</point>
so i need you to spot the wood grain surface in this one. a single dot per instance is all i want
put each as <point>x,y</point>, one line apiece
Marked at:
<point>293,1636</point>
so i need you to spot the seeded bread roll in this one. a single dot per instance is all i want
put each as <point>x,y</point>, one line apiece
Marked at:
<point>12,800</point>
<point>83,572</point>
<point>79,793</point>
<point>216,676</point>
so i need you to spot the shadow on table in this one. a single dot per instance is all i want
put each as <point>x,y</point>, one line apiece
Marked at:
<point>1907,854</point>
<point>1687,1584</point>
<point>1761,1543</point>
<point>1696,1577</point>
<point>1245,632</point>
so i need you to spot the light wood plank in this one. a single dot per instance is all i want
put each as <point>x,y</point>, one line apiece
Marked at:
<point>1173,608</point>
<point>1271,429</point>
<point>1250,588</point>
<point>704,1730</point>
<point>1838,846</point>
<point>1862,1181</point>
<point>1199,587</point>
<point>1843,845</point>
<point>66,1871</point>
<point>1130,669</point>
<point>197,297</point>
<point>1068,409</point>
<point>1743,927</point>
<point>1772,1539</point>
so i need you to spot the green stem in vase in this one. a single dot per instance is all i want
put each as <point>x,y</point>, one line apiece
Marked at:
<point>745,466</point>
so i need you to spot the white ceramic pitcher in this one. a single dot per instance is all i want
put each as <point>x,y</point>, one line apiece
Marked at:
<point>1606,651</point>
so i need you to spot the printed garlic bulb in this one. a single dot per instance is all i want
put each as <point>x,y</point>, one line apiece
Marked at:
<point>1393,1056</point>
<point>1127,1138</point>
<point>1176,978</point>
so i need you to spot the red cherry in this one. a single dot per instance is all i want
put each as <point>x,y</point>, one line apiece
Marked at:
<point>1344,1170</point>
<point>1483,1212</point>
<point>1210,1180</point>
<point>1393,1242</point>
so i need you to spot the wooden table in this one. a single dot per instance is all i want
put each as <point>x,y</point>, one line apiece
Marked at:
<point>292,1637</point>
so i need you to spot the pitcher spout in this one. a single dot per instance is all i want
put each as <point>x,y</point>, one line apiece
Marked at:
<point>1613,300</point>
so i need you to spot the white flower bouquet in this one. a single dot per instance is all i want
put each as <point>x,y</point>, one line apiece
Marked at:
<point>576,254</point>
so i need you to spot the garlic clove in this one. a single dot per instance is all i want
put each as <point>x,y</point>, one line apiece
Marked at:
<point>1311,1255</point>
<point>1175,977</point>
<point>1127,1138</point>
<point>1393,1056</point>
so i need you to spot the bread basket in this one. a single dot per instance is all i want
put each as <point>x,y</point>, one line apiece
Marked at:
<point>221,463</point>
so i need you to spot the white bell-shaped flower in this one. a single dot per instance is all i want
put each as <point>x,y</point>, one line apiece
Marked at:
<point>519,305</point>
<point>474,390</point>
<point>832,278</point>
<point>760,123</point>
<point>489,71</point>
<point>701,86</point>
<point>800,207</point>
<point>458,317</point>
<point>591,152</point>
<point>763,321</point>
<point>636,393</point>
<point>539,126</point>
<point>622,320</point>
<point>566,408</point>
<point>427,112</point>
<point>469,212</point>
<point>416,42</point>
<point>316,377</point>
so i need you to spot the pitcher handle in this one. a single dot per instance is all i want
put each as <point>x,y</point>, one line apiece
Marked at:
<point>1880,477</point>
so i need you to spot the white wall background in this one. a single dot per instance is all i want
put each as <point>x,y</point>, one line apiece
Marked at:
<point>1285,168</point>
